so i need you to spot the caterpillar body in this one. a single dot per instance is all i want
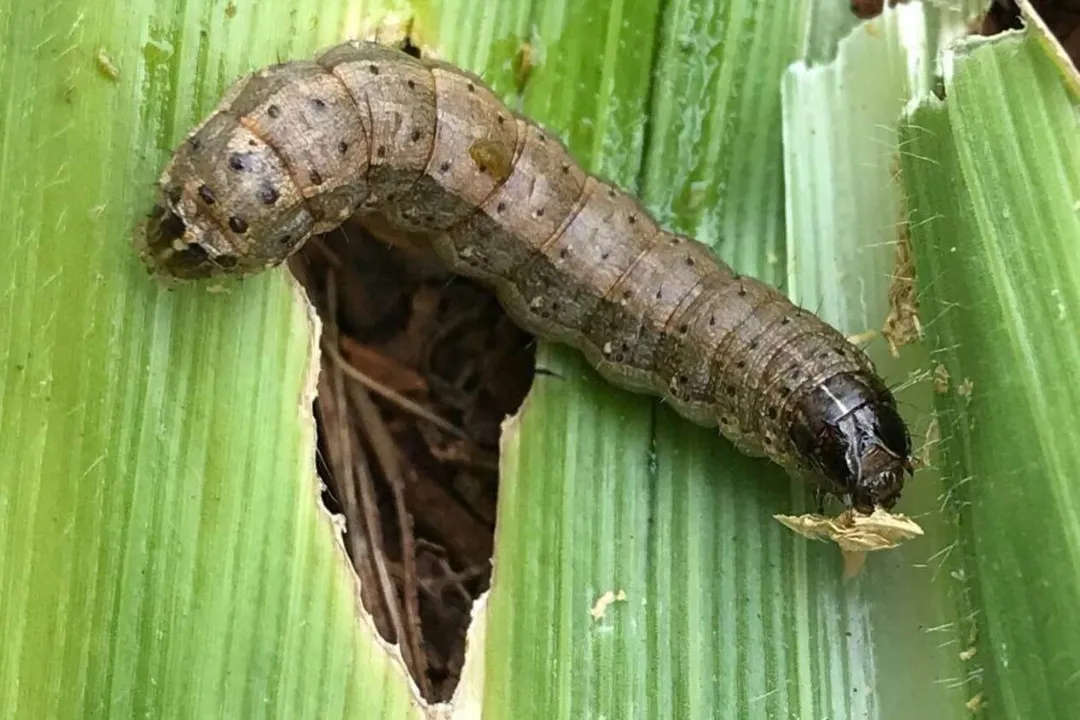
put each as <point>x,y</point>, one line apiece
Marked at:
<point>295,149</point>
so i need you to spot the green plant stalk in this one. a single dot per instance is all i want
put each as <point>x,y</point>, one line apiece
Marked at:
<point>603,491</point>
<point>163,552</point>
<point>992,175</point>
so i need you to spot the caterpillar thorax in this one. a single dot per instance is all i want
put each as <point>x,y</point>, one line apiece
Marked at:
<point>295,149</point>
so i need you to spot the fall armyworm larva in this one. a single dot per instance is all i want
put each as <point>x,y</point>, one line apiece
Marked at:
<point>295,149</point>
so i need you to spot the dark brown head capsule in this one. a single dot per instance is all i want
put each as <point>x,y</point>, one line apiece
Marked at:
<point>848,428</point>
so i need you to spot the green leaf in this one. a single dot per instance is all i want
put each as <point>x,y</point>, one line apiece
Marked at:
<point>608,500</point>
<point>993,177</point>
<point>163,552</point>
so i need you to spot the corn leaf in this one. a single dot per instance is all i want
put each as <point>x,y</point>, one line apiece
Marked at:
<point>163,552</point>
<point>638,571</point>
<point>993,177</point>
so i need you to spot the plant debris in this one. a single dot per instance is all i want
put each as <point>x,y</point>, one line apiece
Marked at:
<point>853,531</point>
<point>420,367</point>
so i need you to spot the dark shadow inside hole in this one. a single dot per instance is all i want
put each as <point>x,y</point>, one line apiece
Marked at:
<point>445,344</point>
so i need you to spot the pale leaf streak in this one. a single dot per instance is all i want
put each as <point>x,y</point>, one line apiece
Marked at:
<point>64,53</point>
<point>948,627</point>
<point>764,695</point>
<point>925,220</point>
<point>949,642</point>
<point>932,161</point>
<point>90,468</point>
<point>920,128</point>
<point>44,41</point>
<point>77,25</point>
<point>947,350</point>
<point>58,181</point>
<point>52,278</point>
<point>941,557</point>
<point>60,225</point>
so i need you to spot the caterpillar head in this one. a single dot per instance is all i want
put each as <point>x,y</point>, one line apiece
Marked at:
<point>851,435</point>
<point>225,206</point>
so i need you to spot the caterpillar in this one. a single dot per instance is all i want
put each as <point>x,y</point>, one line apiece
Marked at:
<point>295,149</point>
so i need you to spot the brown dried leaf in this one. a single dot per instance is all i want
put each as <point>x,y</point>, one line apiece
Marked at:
<point>855,532</point>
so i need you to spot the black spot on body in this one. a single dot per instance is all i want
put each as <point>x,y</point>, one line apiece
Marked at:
<point>273,111</point>
<point>445,166</point>
<point>501,207</point>
<point>268,194</point>
<point>319,103</point>
<point>226,261</point>
<point>411,84</point>
<point>563,253</point>
<point>683,328</point>
<point>316,177</point>
<point>409,48</point>
<point>470,87</point>
<point>374,69</point>
<point>194,143</point>
<point>415,135</point>
<point>343,147</point>
<point>540,212</point>
<point>207,195</point>
<point>632,219</point>
<point>238,225</point>
<point>238,161</point>
<point>381,151</point>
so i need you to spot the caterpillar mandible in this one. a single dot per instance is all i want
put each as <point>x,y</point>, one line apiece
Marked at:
<point>295,149</point>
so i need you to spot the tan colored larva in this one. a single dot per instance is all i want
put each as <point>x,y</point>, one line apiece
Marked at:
<point>294,149</point>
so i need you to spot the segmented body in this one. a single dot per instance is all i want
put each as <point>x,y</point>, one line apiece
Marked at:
<point>297,148</point>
